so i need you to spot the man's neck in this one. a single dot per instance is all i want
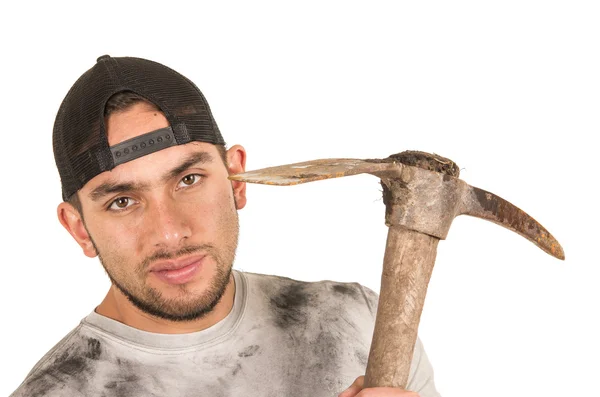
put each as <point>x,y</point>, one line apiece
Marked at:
<point>117,307</point>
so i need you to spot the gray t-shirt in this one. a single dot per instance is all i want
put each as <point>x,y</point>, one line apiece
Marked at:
<point>282,338</point>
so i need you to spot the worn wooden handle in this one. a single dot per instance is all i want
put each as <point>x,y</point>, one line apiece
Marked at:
<point>407,266</point>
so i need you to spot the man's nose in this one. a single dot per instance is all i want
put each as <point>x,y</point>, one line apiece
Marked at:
<point>169,224</point>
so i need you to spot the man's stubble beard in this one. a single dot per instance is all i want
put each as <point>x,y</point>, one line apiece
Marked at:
<point>151,301</point>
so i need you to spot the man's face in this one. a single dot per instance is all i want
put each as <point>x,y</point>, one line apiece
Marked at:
<point>165,225</point>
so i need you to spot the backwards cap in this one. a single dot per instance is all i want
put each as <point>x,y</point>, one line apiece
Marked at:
<point>80,143</point>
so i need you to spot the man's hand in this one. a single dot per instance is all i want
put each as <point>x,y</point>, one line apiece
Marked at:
<point>356,390</point>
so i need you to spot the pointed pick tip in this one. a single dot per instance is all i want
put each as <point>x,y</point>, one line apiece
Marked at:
<point>485,205</point>
<point>560,255</point>
<point>549,244</point>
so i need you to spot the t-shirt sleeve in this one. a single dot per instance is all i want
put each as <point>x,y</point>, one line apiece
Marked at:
<point>420,379</point>
<point>371,299</point>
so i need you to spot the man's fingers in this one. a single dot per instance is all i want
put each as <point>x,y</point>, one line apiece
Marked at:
<point>386,392</point>
<point>354,389</point>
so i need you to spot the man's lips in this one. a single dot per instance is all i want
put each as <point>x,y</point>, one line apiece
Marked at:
<point>175,263</point>
<point>178,271</point>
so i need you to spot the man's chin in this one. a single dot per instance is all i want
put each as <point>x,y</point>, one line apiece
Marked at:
<point>186,308</point>
<point>181,302</point>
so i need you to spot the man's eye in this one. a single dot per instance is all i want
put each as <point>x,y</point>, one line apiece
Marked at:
<point>189,180</point>
<point>121,203</point>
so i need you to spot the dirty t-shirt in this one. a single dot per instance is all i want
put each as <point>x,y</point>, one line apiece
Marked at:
<point>282,338</point>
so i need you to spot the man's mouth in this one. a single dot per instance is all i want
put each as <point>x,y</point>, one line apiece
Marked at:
<point>178,271</point>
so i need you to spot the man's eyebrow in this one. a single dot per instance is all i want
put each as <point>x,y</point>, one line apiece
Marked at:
<point>194,159</point>
<point>110,187</point>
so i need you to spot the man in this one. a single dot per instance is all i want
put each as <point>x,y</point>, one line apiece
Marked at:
<point>144,174</point>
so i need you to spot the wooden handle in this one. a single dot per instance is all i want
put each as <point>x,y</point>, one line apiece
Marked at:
<point>407,266</point>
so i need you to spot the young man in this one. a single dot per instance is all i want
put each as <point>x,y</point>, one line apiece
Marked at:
<point>144,174</point>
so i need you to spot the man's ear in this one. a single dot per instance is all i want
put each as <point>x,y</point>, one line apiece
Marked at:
<point>236,163</point>
<point>71,220</point>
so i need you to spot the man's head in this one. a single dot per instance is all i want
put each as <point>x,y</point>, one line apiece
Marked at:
<point>121,102</point>
<point>164,222</point>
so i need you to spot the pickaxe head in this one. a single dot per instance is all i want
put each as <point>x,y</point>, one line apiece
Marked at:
<point>421,192</point>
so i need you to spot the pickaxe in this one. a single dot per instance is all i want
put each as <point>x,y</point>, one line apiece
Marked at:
<point>422,195</point>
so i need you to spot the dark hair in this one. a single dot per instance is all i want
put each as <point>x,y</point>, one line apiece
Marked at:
<point>120,102</point>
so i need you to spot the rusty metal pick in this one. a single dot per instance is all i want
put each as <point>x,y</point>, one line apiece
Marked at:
<point>474,201</point>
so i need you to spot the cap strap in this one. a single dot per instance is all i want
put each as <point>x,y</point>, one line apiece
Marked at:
<point>142,145</point>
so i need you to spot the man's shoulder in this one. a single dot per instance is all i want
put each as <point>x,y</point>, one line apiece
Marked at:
<point>62,368</point>
<point>270,281</point>
<point>284,292</point>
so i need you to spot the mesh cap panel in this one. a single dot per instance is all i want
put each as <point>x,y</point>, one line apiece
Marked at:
<point>80,143</point>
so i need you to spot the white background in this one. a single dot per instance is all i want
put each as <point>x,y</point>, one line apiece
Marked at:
<point>509,90</point>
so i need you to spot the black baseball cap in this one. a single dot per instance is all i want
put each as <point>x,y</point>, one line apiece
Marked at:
<point>81,149</point>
